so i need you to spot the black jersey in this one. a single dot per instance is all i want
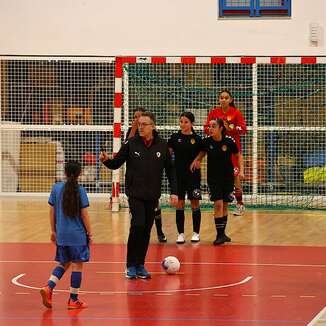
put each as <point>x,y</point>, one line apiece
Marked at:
<point>219,161</point>
<point>185,148</point>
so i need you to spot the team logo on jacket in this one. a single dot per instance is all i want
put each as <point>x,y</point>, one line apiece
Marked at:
<point>192,141</point>
<point>224,148</point>
<point>179,140</point>
<point>158,154</point>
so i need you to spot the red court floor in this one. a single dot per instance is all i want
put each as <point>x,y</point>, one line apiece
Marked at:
<point>226,285</point>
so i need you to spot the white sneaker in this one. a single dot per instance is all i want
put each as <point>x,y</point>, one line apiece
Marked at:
<point>195,237</point>
<point>181,238</point>
<point>239,210</point>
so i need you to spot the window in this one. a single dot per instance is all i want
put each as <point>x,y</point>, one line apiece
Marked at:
<point>254,8</point>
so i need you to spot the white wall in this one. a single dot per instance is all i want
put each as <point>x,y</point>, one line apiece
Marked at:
<point>152,27</point>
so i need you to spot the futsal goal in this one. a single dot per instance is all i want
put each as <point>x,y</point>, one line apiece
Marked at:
<point>59,108</point>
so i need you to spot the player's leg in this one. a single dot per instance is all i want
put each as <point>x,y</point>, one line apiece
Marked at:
<point>239,210</point>
<point>143,244</point>
<point>194,194</point>
<point>56,275</point>
<point>225,218</point>
<point>136,233</point>
<point>196,219</point>
<point>158,223</point>
<point>75,283</point>
<point>219,222</point>
<point>180,221</point>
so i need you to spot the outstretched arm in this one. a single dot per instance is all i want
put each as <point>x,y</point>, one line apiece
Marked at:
<point>120,158</point>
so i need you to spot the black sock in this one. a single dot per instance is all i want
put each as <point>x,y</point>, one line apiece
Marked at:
<point>238,196</point>
<point>158,221</point>
<point>219,225</point>
<point>196,219</point>
<point>225,222</point>
<point>180,220</point>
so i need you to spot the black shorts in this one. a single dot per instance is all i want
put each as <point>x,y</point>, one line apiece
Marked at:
<point>221,192</point>
<point>189,185</point>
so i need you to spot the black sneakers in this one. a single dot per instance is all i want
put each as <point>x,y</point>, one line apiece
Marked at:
<point>221,239</point>
<point>161,238</point>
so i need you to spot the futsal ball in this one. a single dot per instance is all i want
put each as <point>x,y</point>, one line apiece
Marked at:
<point>171,264</point>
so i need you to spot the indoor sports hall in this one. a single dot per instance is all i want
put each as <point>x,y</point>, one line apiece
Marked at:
<point>72,75</point>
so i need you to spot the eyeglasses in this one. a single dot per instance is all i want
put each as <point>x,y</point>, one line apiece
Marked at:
<point>144,124</point>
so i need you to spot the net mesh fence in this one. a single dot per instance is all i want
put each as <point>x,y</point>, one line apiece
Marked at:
<point>56,109</point>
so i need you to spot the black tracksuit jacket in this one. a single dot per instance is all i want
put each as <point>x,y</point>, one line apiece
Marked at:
<point>145,167</point>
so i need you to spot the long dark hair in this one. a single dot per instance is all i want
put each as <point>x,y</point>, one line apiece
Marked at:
<point>227,91</point>
<point>71,196</point>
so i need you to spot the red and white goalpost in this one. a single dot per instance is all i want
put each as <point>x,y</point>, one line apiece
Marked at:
<point>258,195</point>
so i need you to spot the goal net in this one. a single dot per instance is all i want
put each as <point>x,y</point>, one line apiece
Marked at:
<point>54,109</point>
<point>284,106</point>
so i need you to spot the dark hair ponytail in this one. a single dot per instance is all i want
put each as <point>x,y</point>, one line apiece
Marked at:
<point>227,91</point>
<point>71,196</point>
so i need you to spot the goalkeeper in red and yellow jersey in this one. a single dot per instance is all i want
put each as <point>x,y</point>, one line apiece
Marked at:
<point>235,125</point>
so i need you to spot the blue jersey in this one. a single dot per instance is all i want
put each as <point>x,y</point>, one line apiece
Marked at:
<point>70,230</point>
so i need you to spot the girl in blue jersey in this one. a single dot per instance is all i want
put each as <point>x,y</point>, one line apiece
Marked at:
<point>71,231</point>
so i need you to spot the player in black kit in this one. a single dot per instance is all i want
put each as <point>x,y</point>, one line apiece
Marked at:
<point>185,146</point>
<point>220,177</point>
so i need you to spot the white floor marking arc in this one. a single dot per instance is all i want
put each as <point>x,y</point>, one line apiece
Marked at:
<point>317,317</point>
<point>16,279</point>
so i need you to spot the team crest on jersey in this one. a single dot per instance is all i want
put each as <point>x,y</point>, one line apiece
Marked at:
<point>192,141</point>
<point>158,154</point>
<point>211,147</point>
<point>231,126</point>
<point>224,148</point>
<point>179,140</point>
<point>196,193</point>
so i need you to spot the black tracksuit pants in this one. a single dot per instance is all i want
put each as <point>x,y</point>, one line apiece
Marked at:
<point>142,217</point>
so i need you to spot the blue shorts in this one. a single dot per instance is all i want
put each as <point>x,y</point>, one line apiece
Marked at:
<point>74,254</point>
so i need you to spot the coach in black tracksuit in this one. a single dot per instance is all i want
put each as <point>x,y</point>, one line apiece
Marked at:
<point>146,157</point>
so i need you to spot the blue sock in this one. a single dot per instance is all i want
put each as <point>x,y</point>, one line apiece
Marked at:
<point>56,275</point>
<point>75,282</point>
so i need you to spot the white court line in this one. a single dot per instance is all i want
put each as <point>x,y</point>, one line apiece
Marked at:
<point>22,293</point>
<point>245,280</point>
<point>317,318</point>
<point>182,263</point>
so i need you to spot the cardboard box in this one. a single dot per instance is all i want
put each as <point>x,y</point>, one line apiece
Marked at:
<point>37,170</point>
